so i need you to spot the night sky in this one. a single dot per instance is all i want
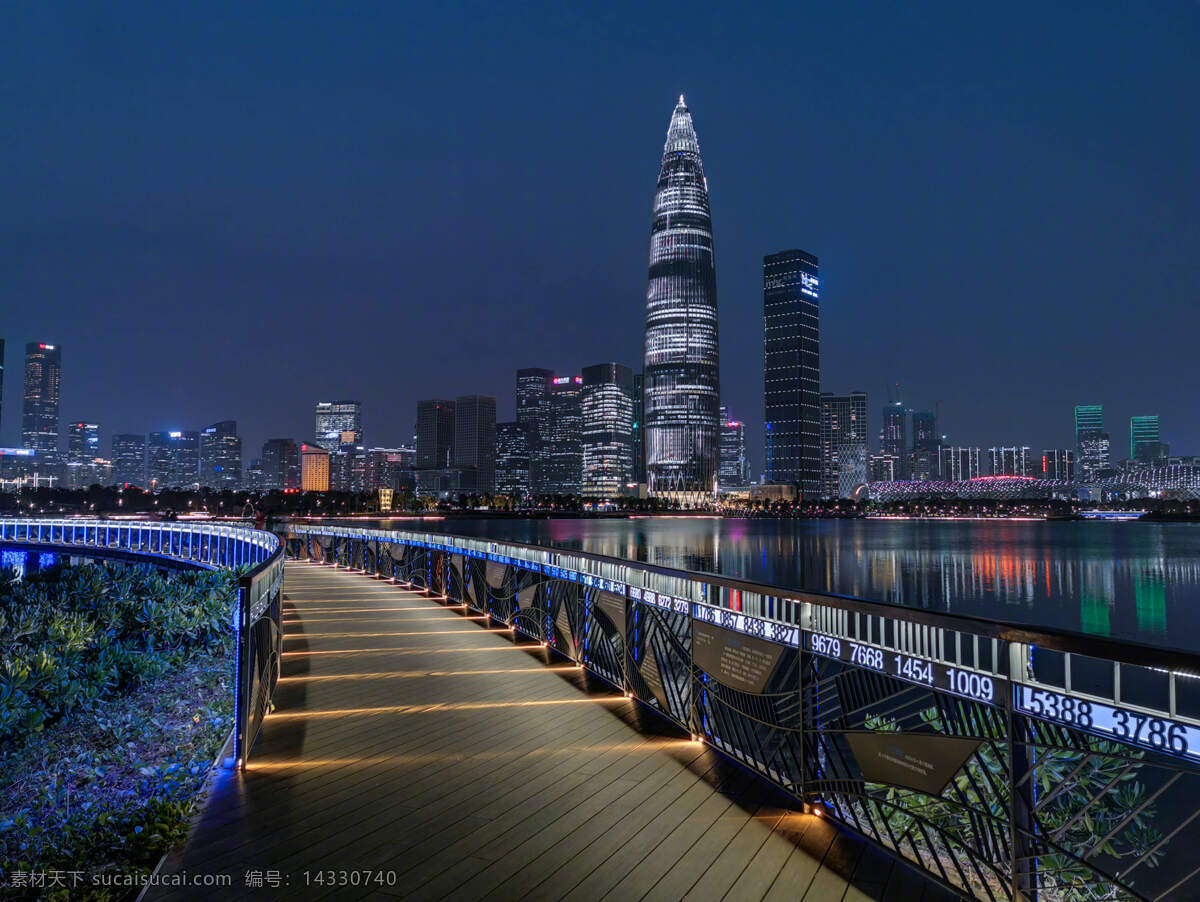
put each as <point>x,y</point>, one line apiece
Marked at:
<point>236,215</point>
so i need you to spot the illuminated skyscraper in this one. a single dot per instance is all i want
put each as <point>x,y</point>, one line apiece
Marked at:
<point>534,412</point>
<point>39,419</point>
<point>83,449</point>
<point>564,461</point>
<point>735,466</point>
<point>1145,438</point>
<point>338,423</point>
<point>1091,441</point>
<point>1014,461</point>
<point>129,459</point>
<point>893,436</point>
<point>682,372</point>
<point>221,456</point>
<point>606,411</point>
<point>314,468</point>
<point>639,428</point>
<point>512,459</point>
<point>792,370</point>
<point>843,427</point>
<point>173,459</point>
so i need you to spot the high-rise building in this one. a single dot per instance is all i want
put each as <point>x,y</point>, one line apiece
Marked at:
<point>893,435</point>
<point>1014,461</point>
<point>221,456</point>
<point>1091,441</point>
<point>639,428</point>
<point>881,467</point>
<point>792,370</point>
<point>852,468</point>
<point>513,440</point>
<point>83,450</point>
<point>843,425</point>
<point>1,381</point>
<point>173,459</point>
<point>534,411</point>
<point>1145,438</point>
<point>682,366</point>
<point>734,472</point>
<point>348,468</point>
<point>280,464</point>
<point>475,443</point>
<point>390,468</point>
<point>564,460</point>
<point>435,434</point>
<point>129,459</point>
<point>314,468</point>
<point>338,423</point>
<point>1058,463</point>
<point>606,409</point>
<point>43,382</point>
<point>959,464</point>
<point>923,461</point>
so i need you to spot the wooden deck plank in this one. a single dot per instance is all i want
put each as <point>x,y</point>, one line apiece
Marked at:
<point>410,738</point>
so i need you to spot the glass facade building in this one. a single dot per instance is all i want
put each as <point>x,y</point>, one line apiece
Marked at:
<point>535,413</point>
<point>639,428</point>
<point>221,456</point>
<point>173,459</point>
<point>338,423</point>
<point>843,427</point>
<point>606,411</point>
<point>682,367</point>
<point>475,443</point>
<point>280,464</point>
<point>1091,442</point>
<point>43,382</point>
<point>128,453</point>
<point>512,459</point>
<point>792,371</point>
<point>1145,438</point>
<point>735,465</point>
<point>564,457</point>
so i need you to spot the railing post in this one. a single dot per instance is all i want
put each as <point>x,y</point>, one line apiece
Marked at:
<point>1023,863</point>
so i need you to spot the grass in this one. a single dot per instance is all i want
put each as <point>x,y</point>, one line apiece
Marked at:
<point>110,788</point>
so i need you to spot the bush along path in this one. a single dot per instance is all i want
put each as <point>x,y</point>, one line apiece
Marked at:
<point>116,694</point>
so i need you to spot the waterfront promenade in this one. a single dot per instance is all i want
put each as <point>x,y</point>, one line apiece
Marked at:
<point>412,741</point>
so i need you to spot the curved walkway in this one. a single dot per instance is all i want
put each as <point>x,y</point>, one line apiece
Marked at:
<point>419,754</point>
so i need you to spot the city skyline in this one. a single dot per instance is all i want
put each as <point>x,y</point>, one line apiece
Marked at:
<point>906,211</point>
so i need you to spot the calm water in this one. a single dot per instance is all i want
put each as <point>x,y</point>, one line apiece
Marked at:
<point>1131,580</point>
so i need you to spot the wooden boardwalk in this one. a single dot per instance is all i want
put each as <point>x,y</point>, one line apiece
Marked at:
<point>411,738</point>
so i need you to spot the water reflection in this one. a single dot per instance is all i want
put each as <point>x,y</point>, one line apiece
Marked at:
<point>1132,580</point>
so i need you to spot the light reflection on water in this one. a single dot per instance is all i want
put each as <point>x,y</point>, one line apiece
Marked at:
<point>1131,580</point>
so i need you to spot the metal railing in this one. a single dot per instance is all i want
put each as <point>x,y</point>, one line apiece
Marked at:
<point>257,618</point>
<point>1009,763</point>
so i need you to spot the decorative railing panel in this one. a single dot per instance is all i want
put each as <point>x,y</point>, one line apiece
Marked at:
<point>259,555</point>
<point>1007,762</point>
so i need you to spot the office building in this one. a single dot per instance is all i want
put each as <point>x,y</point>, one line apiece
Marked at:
<point>564,458</point>
<point>923,460</point>
<point>682,367</point>
<point>314,468</point>
<point>639,429</point>
<point>792,371</point>
<point>475,443</point>
<point>893,435</point>
<point>1145,439</point>
<point>734,471</point>
<point>280,464</point>
<point>513,440</point>
<point>1058,463</point>
<point>338,423</point>
<point>128,455</point>
<point>1014,461</point>
<point>882,467</point>
<point>959,464</point>
<point>221,456</point>
<point>534,411</point>
<point>852,468</point>
<point>390,468</point>
<point>173,459</point>
<point>843,425</point>
<point>435,434</point>
<point>606,412</point>
<point>43,382</point>
<point>1092,455</point>
<point>348,469</point>
<point>83,450</point>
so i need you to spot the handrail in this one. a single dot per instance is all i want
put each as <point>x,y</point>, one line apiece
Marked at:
<point>202,544</point>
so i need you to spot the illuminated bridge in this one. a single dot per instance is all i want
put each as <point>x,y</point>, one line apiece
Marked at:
<point>1177,482</point>
<point>458,718</point>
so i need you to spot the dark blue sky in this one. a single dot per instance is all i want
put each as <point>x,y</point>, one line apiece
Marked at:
<point>239,214</point>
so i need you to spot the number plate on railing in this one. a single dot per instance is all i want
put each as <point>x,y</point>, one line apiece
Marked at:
<point>978,687</point>
<point>1159,734</point>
